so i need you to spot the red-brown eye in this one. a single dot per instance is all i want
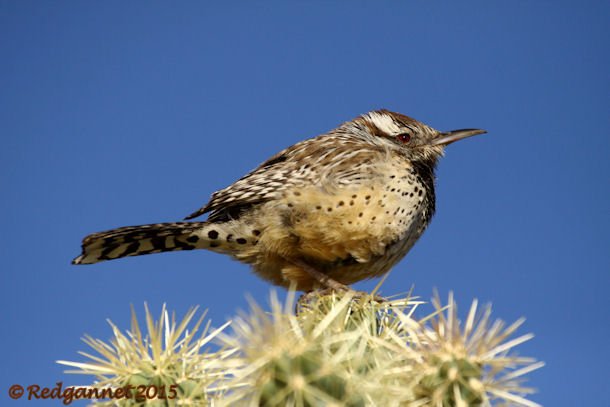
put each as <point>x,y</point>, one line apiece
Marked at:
<point>404,137</point>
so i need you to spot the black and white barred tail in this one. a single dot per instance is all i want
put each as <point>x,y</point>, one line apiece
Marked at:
<point>139,240</point>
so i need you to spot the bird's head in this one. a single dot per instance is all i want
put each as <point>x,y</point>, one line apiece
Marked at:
<point>417,141</point>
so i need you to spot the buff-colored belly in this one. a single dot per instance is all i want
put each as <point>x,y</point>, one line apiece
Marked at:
<point>351,235</point>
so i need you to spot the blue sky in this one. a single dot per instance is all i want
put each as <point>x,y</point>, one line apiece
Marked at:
<point>119,113</point>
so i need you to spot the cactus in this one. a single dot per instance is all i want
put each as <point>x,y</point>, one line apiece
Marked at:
<point>337,349</point>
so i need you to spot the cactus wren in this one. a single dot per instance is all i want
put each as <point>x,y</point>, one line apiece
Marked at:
<point>325,212</point>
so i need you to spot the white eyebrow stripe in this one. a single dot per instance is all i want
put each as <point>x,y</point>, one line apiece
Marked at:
<point>384,123</point>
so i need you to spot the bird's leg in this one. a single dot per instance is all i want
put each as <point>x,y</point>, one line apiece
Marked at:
<point>329,286</point>
<point>323,279</point>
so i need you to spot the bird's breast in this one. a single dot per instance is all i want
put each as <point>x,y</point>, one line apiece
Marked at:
<point>360,222</point>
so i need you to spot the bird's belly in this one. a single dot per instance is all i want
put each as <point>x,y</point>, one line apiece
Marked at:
<point>350,234</point>
<point>358,223</point>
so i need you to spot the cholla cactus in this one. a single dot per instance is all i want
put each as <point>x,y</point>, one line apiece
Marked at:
<point>168,356</point>
<point>336,350</point>
<point>340,350</point>
<point>470,364</point>
<point>299,360</point>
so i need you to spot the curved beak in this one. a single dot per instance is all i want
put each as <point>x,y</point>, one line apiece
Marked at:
<point>455,135</point>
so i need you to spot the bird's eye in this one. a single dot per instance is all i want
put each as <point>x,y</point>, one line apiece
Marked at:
<point>404,137</point>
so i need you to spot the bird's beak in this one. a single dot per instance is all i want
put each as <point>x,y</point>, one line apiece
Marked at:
<point>455,135</point>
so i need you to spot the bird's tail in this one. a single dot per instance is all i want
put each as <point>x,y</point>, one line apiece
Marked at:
<point>138,240</point>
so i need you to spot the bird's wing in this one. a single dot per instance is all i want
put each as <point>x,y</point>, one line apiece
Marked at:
<point>310,161</point>
<point>259,185</point>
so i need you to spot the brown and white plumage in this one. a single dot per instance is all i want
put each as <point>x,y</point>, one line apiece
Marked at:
<point>348,204</point>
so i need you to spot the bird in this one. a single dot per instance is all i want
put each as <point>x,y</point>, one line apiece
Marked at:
<point>323,213</point>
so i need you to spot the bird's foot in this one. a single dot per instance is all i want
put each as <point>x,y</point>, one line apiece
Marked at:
<point>329,286</point>
<point>309,299</point>
<point>323,280</point>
